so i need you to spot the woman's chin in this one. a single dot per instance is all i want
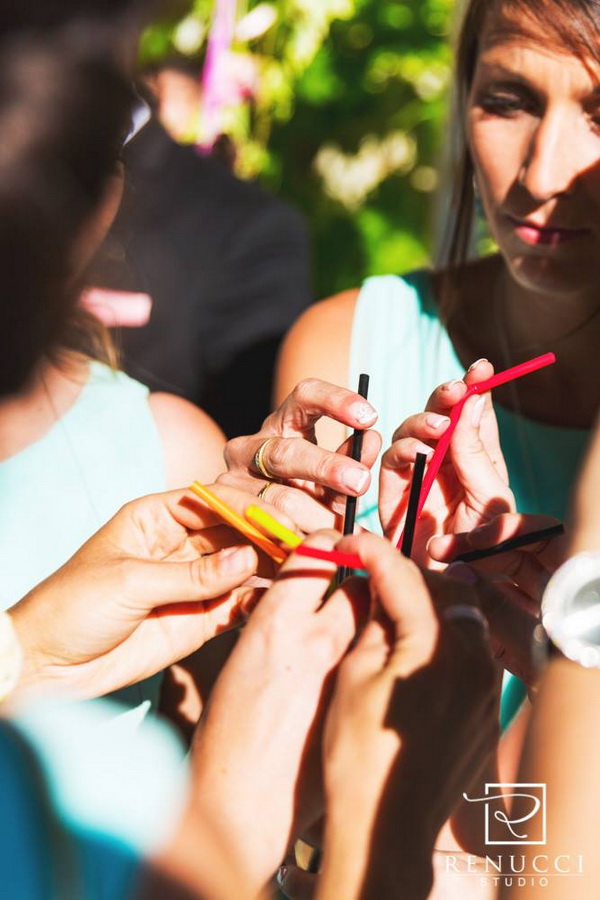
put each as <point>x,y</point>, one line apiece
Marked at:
<point>553,277</point>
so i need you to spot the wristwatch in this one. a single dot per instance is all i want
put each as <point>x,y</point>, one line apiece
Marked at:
<point>571,610</point>
<point>11,656</point>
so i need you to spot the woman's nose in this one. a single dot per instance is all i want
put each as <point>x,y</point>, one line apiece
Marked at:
<point>553,160</point>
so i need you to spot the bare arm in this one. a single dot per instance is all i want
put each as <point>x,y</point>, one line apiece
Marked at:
<point>192,443</point>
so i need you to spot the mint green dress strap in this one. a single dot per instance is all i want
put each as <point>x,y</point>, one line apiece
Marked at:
<point>104,452</point>
<point>398,339</point>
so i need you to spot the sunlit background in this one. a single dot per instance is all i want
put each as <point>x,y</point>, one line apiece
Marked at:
<point>336,105</point>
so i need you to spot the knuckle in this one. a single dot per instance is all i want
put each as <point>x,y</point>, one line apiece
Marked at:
<point>279,456</point>
<point>305,389</point>
<point>235,449</point>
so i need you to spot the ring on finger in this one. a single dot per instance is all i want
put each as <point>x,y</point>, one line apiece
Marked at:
<point>259,461</point>
<point>262,494</point>
<point>462,611</point>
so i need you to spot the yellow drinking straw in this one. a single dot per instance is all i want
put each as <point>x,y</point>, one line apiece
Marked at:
<point>274,527</point>
<point>232,518</point>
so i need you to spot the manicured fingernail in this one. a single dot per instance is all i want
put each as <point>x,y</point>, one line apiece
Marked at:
<point>476,363</point>
<point>435,421</point>
<point>450,384</point>
<point>355,479</point>
<point>235,559</point>
<point>364,413</point>
<point>477,410</point>
<point>423,448</point>
<point>462,571</point>
<point>281,873</point>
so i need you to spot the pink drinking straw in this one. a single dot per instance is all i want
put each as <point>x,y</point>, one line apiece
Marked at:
<point>444,442</point>
<point>350,560</point>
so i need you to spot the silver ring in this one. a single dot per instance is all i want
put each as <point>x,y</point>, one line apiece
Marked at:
<point>466,611</point>
<point>264,490</point>
<point>259,462</point>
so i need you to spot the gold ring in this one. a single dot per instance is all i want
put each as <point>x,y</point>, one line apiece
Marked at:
<point>264,490</point>
<point>259,461</point>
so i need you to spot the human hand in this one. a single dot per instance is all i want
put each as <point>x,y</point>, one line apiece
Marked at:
<point>510,585</point>
<point>393,774</point>
<point>310,484</point>
<point>472,485</point>
<point>257,754</point>
<point>139,595</point>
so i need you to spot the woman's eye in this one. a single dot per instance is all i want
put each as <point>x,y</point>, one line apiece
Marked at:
<point>595,122</point>
<point>503,104</point>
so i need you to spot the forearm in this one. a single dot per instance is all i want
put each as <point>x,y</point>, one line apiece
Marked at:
<point>561,751</point>
<point>375,855</point>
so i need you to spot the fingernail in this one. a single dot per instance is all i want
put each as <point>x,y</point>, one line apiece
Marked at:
<point>423,448</point>
<point>476,363</point>
<point>235,559</point>
<point>450,384</point>
<point>462,571</point>
<point>364,413</point>
<point>436,421</point>
<point>281,873</point>
<point>477,410</point>
<point>355,479</point>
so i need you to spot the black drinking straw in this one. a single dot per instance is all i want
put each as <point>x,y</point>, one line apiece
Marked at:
<point>413,504</point>
<point>522,540</point>
<point>355,453</point>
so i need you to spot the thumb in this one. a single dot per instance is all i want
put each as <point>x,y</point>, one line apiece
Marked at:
<point>511,621</point>
<point>155,583</point>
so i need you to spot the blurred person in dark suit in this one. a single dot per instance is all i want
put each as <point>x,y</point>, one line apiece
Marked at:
<point>226,265</point>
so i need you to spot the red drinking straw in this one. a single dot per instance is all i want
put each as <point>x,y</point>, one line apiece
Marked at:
<point>444,442</point>
<point>350,560</point>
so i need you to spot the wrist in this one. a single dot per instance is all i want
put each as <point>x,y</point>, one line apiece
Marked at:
<point>35,663</point>
<point>384,852</point>
<point>11,656</point>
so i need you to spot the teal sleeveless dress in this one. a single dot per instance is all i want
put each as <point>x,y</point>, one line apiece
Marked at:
<point>54,494</point>
<point>399,340</point>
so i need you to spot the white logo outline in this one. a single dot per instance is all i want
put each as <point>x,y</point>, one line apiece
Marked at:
<point>539,804</point>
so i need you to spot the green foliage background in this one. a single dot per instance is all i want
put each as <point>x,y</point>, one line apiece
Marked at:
<point>347,125</point>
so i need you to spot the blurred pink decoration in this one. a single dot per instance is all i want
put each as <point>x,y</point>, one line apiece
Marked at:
<point>213,77</point>
<point>118,308</point>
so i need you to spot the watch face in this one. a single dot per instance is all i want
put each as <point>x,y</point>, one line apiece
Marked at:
<point>571,609</point>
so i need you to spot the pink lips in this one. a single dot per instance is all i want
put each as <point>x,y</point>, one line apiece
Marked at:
<point>533,234</point>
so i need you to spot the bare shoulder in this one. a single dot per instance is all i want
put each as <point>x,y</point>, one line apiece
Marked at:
<point>318,345</point>
<point>192,442</point>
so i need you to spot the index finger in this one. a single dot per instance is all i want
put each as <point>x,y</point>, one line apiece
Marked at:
<point>312,399</point>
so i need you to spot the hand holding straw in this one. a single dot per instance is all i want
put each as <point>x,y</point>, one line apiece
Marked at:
<point>514,543</point>
<point>230,516</point>
<point>436,460</point>
<point>294,542</point>
<point>355,453</point>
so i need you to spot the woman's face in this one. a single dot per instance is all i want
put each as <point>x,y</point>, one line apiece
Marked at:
<point>533,123</point>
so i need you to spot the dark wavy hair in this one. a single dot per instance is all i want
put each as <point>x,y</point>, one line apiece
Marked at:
<point>64,109</point>
<point>570,25</point>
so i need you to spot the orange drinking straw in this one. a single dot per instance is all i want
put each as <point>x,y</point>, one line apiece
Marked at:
<point>232,518</point>
<point>437,459</point>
